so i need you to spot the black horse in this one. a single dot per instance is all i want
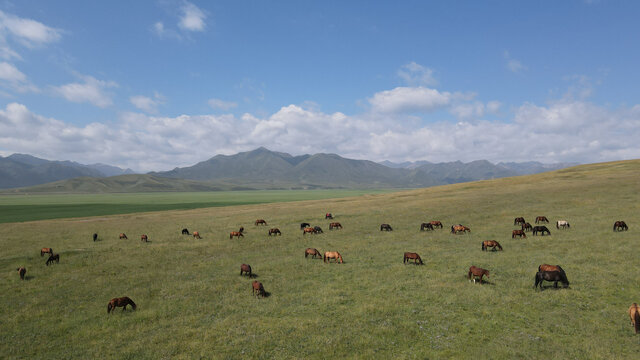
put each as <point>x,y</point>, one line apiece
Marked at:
<point>304,225</point>
<point>53,258</point>
<point>427,226</point>
<point>185,231</point>
<point>541,229</point>
<point>95,237</point>
<point>318,229</point>
<point>385,227</point>
<point>554,276</point>
<point>620,226</point>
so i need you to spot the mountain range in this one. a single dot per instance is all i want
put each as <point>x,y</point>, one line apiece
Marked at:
<point>256,169</point>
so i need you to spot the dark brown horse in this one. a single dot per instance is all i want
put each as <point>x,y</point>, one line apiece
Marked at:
<point>408,256</point>
<point>261,222</point>
<point>257,288</point>
<point>634,314</point>
<point>53,258</point>
<point>328,255</point>
<point>21,271</point>
<point>274,231</point>
<point>553,276</point>
<point>547,267</point>
<point>527,227</point>
<point>120,302</point>
<point>542,219</point>
<point>519,221</point>
<point>241,230</point>
<point>318,229</point>
<point>436,223</point>
<point>245,268</point>
<point>304,225</point>
<point>46,251</point>
<point>476,272</point>
<point>196,235</point>
<point>540,229</point>
<point>313,252</point>
<point>620,226</point>
<point>335,225</point>
<point>491,244</point>
<point>95,237</point>
<point>144,238</point>
<point>520,233</point>
<point>459,228</point>
<point>237,234</point>
<point>122,236</point>
<point>328,216</point>
<point>426,226</point>
<point>308,230</point>
<point>386,227</point>
<point>185,231</point>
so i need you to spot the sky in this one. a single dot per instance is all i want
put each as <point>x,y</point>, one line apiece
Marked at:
<point>154,85</point>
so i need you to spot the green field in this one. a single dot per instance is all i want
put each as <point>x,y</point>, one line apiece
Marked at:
<point>17,208</point>
<point>192,302</point>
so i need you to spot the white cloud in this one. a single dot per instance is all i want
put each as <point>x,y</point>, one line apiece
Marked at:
<point>192,18</point>
<point>29,32</point>
<point>416,74</point>
<point>14,79</point>
<point>512,64</point>
<point>91,90</point>
<point>221,104</point>
<point>146,103</point>
<point>409,99</point>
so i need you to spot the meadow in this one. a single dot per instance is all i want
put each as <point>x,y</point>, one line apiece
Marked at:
<point>192,302</point>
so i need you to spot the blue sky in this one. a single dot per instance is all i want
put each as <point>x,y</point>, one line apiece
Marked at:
<point>156,84</point>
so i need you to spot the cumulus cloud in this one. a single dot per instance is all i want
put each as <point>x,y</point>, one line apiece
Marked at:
<point>146,103</point>
<point>409,99</point>
<point>29,32</point>
<point>221,104</point>
<point>91,90</point>
<point>192,19</point>
<point>416,74</point>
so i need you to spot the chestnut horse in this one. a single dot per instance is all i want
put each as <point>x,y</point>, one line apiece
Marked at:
<point>335,225</point>
<point>554,276</point>
<point>328,216</point>
<point>426,226</point>
<point>260,222</point>
<point>53,258</point>
<point>436,223</point>
<point>196,235</point>
<point>244,268</point>
<point>520,233</point>
<point>328,255</point>
<point>257,287</point>
<point>459,228</point>
<point>46,251</point>
<point>122,236</point>
<point>620,226</point>
<point>562,224</point>
<point>144,238</point>
<point>237,234</point>
<point>386,227</point>
<point>408,256</point>
<point>185,231</point>
<point>309,230</point>
<point>519,221</point>
<point>491,244</point>
<point>21,270</point>
<point>540,229</point>
<point>313,252</point>
<point>120,302</point>
<point>634,314</point>
<point>477,272</point>
<point>274,231</point>
<point>541,219</point>
<point>527,227</point>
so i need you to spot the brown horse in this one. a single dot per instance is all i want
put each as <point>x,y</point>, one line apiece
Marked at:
<point>237,234</point>
<point>123,236</point>
<point>436,223</point>
<point>309,230</point>
<point>634,314</point>
<point>196,235</point>
<point>519,221</point>
<point>313,252</point>
<point>491,244</point>
<point>520,233</point>
<point>21,270</point>
<point>244,268</point>
<point>542,219</point>
<point>459,228</point>
<point>274,231</point>
<point>386,227</point>
<point>551,276</point>
<point>144,238</point>
<point>540,229</point>
<point>328,216</point>
<point>120,302</point>
<point>257,288</point>
<point>53,258</point>
<point>328,255</point>
<point>46,251</point>
<point>335,225</point>
<point>620,226</point>
<point>477,272</point>
<point>408,256</point>
<point>527,227</point>
<point>260,222</point>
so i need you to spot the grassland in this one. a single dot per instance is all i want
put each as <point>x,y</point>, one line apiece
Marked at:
<point>192,302</point>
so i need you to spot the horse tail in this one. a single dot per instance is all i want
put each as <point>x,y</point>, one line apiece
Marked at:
<point>109,307</point>
<point>483,246</point>
<point>636,320</point>
<point>537,279</point>
<point>324,258</point>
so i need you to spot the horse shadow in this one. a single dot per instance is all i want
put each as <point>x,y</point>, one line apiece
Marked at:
<point>29,277</point>
<point>267,294</point>
<point>542,288</point>
<point>253,276</point>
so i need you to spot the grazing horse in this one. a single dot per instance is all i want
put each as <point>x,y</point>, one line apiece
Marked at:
<point>196,235</point>
<point>386,227</point>
<point>542,229</point>
<point>459,228</point>
<point>241,230</point>
<point>237,234</point>
<point>477,272</point>
<point>95,237</point>
<point>527,227</point>
<point>335,225</point>
<point>309,230</point>
<point>318,230</point>
<point>427,226</point>
<point>328,255</point>
<point>244,268</point>
<point>260,222</point>
<point>53,258</point>
<point>562,224</point>
<point>620,226</point>
<point>491,244</point>
<point>274,231</point>
<point>304,225</point>
<point>185,231</point>
<point>542,219</point>
<point>144,238</point>
<point>520,233</point>
<point>408,256</point>
<point>328,216</point>
<point>554,276</point>
<point>120,302</point>
<point>519,221</point>
<point>22,270</point>
<point>46,251</point>
<point>547,267</point>
<point>634,314</point>
<point>313,252</point>
<point>436,223</point>
<point>122,236</point>
<point>257,288</point>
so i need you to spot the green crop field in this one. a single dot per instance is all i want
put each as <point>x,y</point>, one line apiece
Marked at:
<point>193,303</point>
